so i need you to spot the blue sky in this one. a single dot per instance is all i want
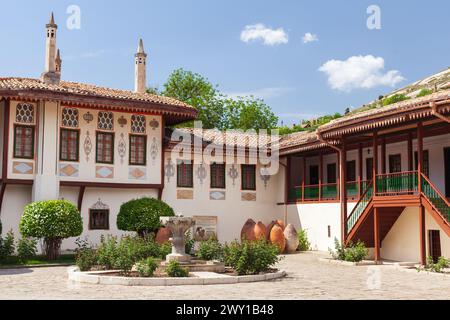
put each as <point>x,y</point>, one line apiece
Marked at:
<point>206,37</point>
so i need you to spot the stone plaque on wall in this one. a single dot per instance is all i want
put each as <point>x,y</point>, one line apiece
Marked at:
<point>185,194</point>
<point>205,228</point>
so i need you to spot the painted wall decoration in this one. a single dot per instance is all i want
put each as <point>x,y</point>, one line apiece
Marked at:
<point>169,170</point>
<point>68,169</point>
<point>122,147</point>
<point>233,174</point>
<point>25,113</point>
<point>87,145</point>
<point>185,194</point>
<point>137,173</point>
<point>138,123</point>
<point>20,167</point>
<point>105,172</point>
<point>217,195</point>
<point>88,117</point>
<point>154,124</point>
<point>99,205</point>
<point>154,150</point>
<point>70,117</point>
<point>248,196</point>
<point>205,228</point>
<point>122,121</point>
<point>265,176</point>
<point>201,173</point>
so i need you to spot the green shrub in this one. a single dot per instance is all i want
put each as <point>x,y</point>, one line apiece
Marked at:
<point>164,250</point>
<point>107,252</point>
<point>250,257</point>
<point>26,248</point>
<point>189,242</point>
<point>210,250</point>
<point>394,99</point>
<point>424,92</point>
<point>353,252</point>
<point>125,257</point>
<point>146,267</point>
<point>6,246</point>
<point>86,255</point>
<point>175,270</point>
<point>142,215</point>
<point>441,263</point>
<point>303,244</point>
<point>52,220</point>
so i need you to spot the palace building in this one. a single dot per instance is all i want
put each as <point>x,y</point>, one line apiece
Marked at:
<point>381,175</point>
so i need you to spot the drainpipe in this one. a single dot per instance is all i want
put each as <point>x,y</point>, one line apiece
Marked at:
<point>342,189</point>
<point>435,113</point>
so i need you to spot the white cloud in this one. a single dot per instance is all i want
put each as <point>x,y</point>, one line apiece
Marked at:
<point>263,93</point>
<point>359,72</point>
<point>269,37</point>
<point>310,37</point>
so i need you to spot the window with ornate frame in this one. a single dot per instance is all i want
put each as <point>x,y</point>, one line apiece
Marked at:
<point>105,147</point>
<point>69,145</point>
<point>69,117</point>
<point>185,174</point>
<point>25,113</point>
<point>138,123</point>
<point>217,175</point>
<point>98,219</point>
<point>138,150</point>
<point>23,142</point>
<point>248,181</point>
<point>105,120</point>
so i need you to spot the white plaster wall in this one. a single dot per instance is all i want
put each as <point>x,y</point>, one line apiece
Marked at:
<point>15,199</point>
<point>315,219</point>
<point>232,212</point>
<point>402,243</point>
<point>2,124</point>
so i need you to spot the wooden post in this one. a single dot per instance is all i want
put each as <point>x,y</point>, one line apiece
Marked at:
<point>419,155</point>
<point>360,170</point>
<point>320,174</point>
<point>375,162</point>
<point>287,181</point>
<point>383,156</point>
<point>338,176</point>
<point>303,179</point>
<point>423,257</point>
<point>410,153</point>
<point>343,190</point>
<point>376,233</point>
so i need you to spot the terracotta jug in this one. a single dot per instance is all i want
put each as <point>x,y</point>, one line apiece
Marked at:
<point>248,232</point>
<point>163,235</point>
<point>291,238</point>
<point>260,231</point>
<point>277,237</point>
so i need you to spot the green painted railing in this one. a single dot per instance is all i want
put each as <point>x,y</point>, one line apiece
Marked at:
<point>329,191</point>
<point>312,192</point>
<point>397,183</point>
<point>360,207</point>
<point>295,194</point>
<point>352,189</point>
<point>434,196</point>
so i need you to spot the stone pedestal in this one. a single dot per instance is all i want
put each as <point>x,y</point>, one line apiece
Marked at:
<point>178,226</point>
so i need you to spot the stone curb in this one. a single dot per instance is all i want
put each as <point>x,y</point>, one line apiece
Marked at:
<point>348,263</point>
<point>96,278</point>
<point>33,266</point>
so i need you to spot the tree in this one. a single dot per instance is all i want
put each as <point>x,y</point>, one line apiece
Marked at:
<point>52,220</point>
<point>142,215</point>
<point>198,92</point>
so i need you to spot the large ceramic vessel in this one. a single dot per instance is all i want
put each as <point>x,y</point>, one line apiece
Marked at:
<point>248,230</point>
<point>291,237</point>
<point>277,237</point>
<point>260,231</point>
<point>163,235</point>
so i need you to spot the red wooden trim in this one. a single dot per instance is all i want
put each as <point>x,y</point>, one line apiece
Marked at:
<point>375,161</point>
<point>420,153</point>
<point>360,169</point>
<point>383,155</point>
<point>410,153</point>
<point>109,185</point>
<point>376,233</point>
<point>444,224</point>
<point>6,115</point>
<point>343,190</point>
<point>80,197</point>
<point>320,174</point>
<point>303,179</point>
<point>423,258</point>
<point>2,194</point>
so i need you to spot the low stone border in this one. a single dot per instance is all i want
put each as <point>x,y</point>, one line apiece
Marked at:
<point>423,272</point>
<point>199,278</point>
<point>34,266</point>
<point>348,263</point>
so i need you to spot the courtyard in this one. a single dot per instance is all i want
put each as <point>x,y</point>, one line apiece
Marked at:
<point>307,278</point>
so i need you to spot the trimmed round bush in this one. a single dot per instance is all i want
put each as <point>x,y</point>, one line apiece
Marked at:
<point>52,220</point>
<point>142,215</point>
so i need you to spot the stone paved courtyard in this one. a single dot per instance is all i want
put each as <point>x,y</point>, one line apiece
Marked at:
<point>307,278</point>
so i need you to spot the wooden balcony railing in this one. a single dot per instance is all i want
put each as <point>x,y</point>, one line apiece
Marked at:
<point>399,183</point>
<point>439,202</point>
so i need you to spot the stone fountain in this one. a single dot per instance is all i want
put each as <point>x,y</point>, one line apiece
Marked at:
<point>178,226</point>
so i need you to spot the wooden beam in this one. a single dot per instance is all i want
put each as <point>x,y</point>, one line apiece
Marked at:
<point>375,161</point>
<point>423,257</point>
<point>2,195</point>
<point>320,175</point>
<point>303,179</point>
<point>420,154</point>
<point>360,169</point>
<point>6,112</point>
<point>383,155</point>
<point>410,153</point>
<point>80,197</point>
<point>376,234</point>
<point>343,190</point>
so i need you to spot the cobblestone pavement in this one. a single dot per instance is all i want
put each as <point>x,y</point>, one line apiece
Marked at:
<point>307,278</point>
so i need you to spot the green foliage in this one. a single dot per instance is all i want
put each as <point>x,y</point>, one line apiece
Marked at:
<point>86,256</point>
<point>441,263</point>
<point>51,219</point>
<point>26,248</point>
<point>394,99</point>
<point>142,215</point>
<point>304,244</point>
<point>175,270</point>
<point>107,252</point>
<point>146,267</point>
<point>165,249</point>
<point>125,257</point>
<point>250,257</point>
<point>210,250</point>
<point>354,252</point>
<point>288,130</point>
<point>424,92</point>
<point>7,246</point>
<point>189,242</point>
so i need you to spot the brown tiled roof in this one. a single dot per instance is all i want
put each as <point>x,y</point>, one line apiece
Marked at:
<point>28,87</point>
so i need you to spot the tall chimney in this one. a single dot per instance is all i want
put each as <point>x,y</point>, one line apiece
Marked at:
<point>50,75</point>
<point>140,73</point>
